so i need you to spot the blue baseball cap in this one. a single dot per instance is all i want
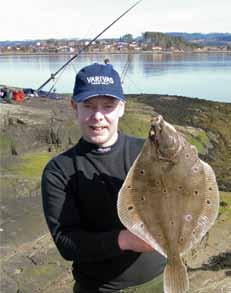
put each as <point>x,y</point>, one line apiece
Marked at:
<point>97,80</point>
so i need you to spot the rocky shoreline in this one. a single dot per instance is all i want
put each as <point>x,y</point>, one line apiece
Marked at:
<point>36,130</point>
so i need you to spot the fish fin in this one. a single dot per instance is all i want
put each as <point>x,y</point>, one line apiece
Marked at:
<point>175,276</point>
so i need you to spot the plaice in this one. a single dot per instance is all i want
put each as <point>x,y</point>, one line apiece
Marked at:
<point>170,199</point>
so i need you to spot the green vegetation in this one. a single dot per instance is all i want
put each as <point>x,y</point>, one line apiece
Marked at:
<point>132,125</point>
<point>200,140</point>
<point>136,120</point>
<point>225,204</point>
<point>166,41</point>
<point>31,165</point>
<point>21,178</point>
<point>197,143</point>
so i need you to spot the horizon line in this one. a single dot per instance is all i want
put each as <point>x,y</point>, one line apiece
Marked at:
<point>105,38</point>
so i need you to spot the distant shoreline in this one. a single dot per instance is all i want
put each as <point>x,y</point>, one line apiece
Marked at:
<point>116,53</point>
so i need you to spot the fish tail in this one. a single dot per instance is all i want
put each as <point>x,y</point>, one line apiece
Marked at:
<point>175,276</point>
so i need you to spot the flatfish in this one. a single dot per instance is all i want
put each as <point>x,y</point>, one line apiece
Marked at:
<point>170,199</point>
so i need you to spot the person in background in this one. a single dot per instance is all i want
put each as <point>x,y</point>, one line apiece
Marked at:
<point>80,188</point>
<point>106,61</point>
<point>2,94</point>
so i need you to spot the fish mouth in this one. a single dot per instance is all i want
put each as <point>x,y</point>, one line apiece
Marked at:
<point>163,136</point>
<point>156,128</point>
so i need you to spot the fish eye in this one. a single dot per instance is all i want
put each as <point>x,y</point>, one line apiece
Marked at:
<point>142,172</point>
<point>208,201</point>
<point>130,208</point>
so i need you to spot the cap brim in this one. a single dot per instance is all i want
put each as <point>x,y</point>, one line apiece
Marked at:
<point>87,95</point>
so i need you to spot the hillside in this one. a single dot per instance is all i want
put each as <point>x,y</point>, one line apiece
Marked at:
<point>167,41</point>
<point>212,39</point>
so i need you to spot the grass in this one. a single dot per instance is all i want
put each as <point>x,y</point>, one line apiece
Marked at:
<point>200,140</point>
<point>200,147</point>
<point>21,178</point>
<point>31,165</point>
<point>136,120</point>
<point>225,203</point>
<point>135,125</point>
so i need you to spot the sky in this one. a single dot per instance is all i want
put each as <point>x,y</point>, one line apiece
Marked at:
<point>43,19</point>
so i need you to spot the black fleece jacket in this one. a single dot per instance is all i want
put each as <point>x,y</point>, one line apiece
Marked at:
<point>79,192</point>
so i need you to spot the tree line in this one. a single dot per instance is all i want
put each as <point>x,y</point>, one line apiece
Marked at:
<point>160,40</point>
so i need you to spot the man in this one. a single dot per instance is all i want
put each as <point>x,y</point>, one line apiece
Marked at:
<point>80,189</point>
<point>107,61</point>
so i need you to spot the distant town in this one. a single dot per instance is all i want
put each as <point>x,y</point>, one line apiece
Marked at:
<point>148,42</point>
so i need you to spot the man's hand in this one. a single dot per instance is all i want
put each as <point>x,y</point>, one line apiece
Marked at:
<point>129,241</point>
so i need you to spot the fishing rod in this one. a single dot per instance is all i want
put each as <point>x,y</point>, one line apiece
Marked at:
<point>125,69</point>
<point>52,77</point>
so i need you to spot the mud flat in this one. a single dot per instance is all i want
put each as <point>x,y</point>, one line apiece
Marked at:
<point>35,131</point>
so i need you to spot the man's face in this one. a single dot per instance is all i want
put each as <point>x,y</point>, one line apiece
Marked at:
<point>98,119</point>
